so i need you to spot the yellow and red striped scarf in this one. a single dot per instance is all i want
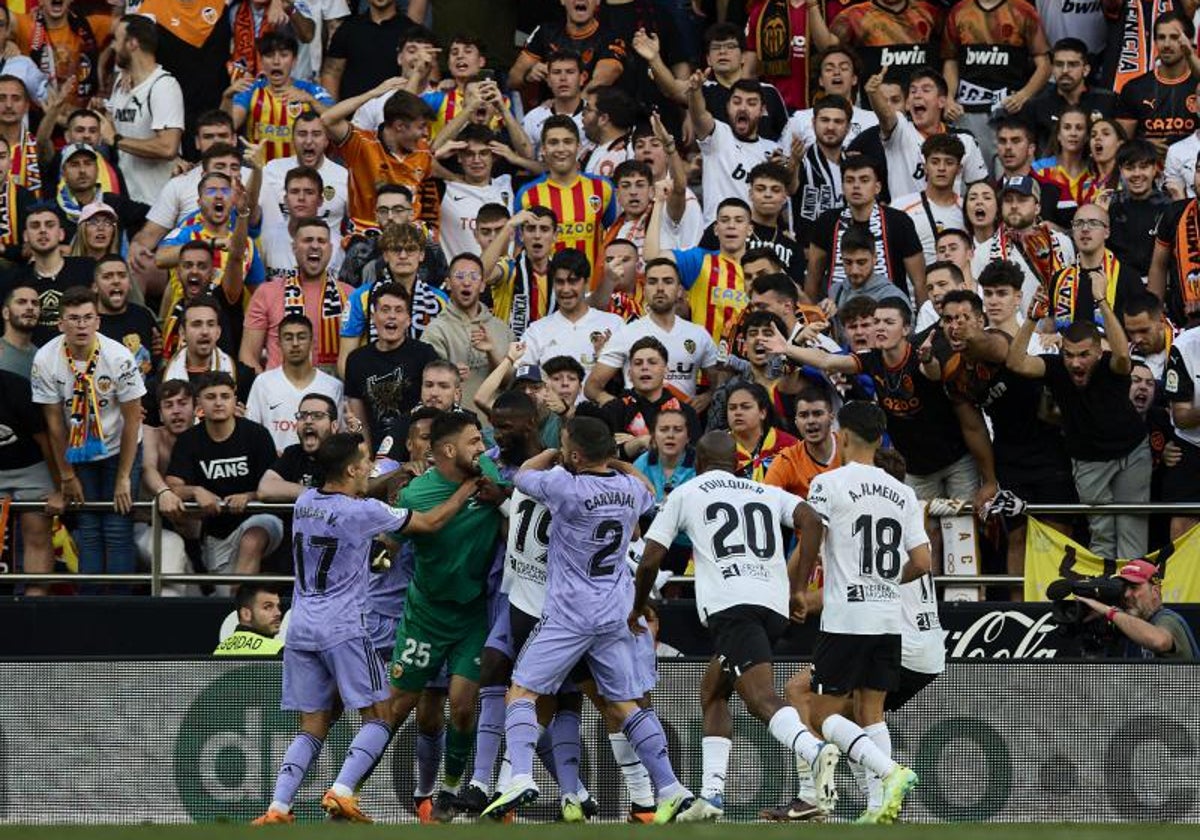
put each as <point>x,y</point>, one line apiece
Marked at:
<point>9,232</point>
<point>1066,289</point>
<point>332,304</point>
<point>25,169</point>
<point>85,435</point>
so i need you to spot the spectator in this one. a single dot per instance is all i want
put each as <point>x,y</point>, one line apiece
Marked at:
<point>15,202</point>
<point>1151,631</point>
<point>218,464</point>
<point>48,270</point>
<point>313,291</point>
<point>472,99</point>
<point>441,386</point>
<point>955,245</point>
<point>303,193</point>
<point>858,267</point>
<point>782,61</point>
<point>1105,436</point>
<point>354,62</point>
<point>820,171</point>
<point>837,77</point>
<point>21,313</point>
<point>756,328</point>
<point>770,185</point>
<point>176,411</point>
<point>816,452</point>
<point>466,333</point>
<point>690,350</point>
<point>938,205</point>
<point>1016,148</point>
<point>940,280</point>
<point>197,276</point>
<point>25,476</point>
<point>83,127</point>
<point>199,352</point>
<point>1072,67</point>
<point>1174,264</point>
<point>885,36</point>
<point>635,191</point>
<point>90,392</point>
<point>582,33</point>
<point>275,395</point>
<point>582,204</point>
<point>265,108</point>
<point>1071,291</point>
<point>528,380</point>
<point>147,109</point>
<point>631,415</point>
<point>1155,105</point>
<point>21,66</point>
<point>1151,336</point>
<point>564,378</point>
<point>22,165</point>
<point>898,257</point>
<point>297,467</point>
<point>309,144</point>
<point>609,114</point>
<point>671,458</point>
<point>259,617</point>
<point>81,186</point>
<point>404,158</point>
<point>253,20</point>
<point>98,235</point>
<point>564,78</point>
<point>466,194</point>
<point>1067,168</point>
<point>683,223</point>
<point>382,377</point>
<point>576,328</point>
<point>417,60</point>
<point>749,413</point>
<point>131,324</point>
<point>520,285</point>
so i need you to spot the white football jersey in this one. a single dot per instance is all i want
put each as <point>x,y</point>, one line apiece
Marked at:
<point>727,165</point>
<point>689,346</point>
<point>737,544</point>
<point>930,219</point>
<point>923,642</point>
<point>460,206</point>
<point>800,124</point>
<point>871,522</point>
<point>906,166</point>
<point>525,555</point>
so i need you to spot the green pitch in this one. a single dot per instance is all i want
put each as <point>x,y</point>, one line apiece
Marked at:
<point>465,831</point>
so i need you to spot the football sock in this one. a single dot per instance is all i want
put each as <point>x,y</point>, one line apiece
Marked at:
<point>856,744</point>
<point>806,788</point>
<point>488,735</point>
<point>715,752</point>
<point>521,733</point>
<point>429,756</point>
<point>366,748</point>
<point>637,780</point>
<point>458,749</point>
<point>564,736</point>
<point>645,734</point>
<point>882,738</point>
<point>787,728</point>
<point>300,754</point>
<point>545,751</point>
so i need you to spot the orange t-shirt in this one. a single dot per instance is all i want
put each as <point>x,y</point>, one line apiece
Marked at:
<point>372,166</point>
<point>71,66</point>
<point>795,468</point>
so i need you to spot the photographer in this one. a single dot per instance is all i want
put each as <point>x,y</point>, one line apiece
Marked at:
<point>1151,630</point>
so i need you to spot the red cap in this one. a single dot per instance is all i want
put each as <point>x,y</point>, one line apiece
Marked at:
<point>1138,571</point>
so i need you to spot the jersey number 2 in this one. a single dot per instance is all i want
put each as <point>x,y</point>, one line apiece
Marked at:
<point>327,546</point>
<point>880,545</point>
<point>605,558</point>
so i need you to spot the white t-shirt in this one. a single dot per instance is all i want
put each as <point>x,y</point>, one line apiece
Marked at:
<point>116,380</point>
<point>605,158</point>
<point>525,554</point>
<point>727,165</point>
<point>922,640</point>
<point>179,198</point>
<point>308,61</point>
<point>871,522</point>
<point>944,218</point>
<point>737,545</point>
<point>154,105</point>
<point>1084,21</point>
<point>906,166</point>
<point>460,206</point>
<point>687,232</point>
<point>1181,163</point>
<point>800,124</point>
<point>536,118</point>
<point>334,177</point>
<point>274,400</point>
<point>554,335</point>
<point>689,348</point>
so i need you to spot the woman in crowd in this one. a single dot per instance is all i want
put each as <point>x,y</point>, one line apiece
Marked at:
<point>751,422</point>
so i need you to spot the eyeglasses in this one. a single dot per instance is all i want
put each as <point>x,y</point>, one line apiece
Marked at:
<point>312,415</point>
<point>466,275</point>
<point>79,319</point>
<point>1088,224</point>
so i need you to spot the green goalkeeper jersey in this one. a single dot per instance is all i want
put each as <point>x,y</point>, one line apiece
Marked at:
<point>452,564</point>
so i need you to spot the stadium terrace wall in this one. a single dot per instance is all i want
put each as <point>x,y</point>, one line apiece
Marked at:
<point>200,740</point>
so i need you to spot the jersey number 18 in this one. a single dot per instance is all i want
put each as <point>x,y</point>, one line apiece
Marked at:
<point>880,543</point>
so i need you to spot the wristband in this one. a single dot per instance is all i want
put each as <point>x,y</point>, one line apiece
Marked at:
<point>160,492</point>
<point>1111,614</point>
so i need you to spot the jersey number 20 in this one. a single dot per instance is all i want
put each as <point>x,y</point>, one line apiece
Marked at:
<point>755,524</point>
<point>880,545</point>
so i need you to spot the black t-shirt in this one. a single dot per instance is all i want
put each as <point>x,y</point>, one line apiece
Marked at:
<point>137,329</point>
<point>600,43</point>
<point>200,71</point>
<point>389,383</point>
<point>1137,220</point>
<point>299,467</point>
<point>777,239</point>
<point>775,113</point>
<point>20,420</point>
<point>1160,108</point>
<point>1167,232</point>
<point>900,241</point>
<point>10,256</point>
<point>1099,422</point>
<point>1043,110</point>
<point>75,271</point>
<point>633,414</point>
<point>226,467</point>
<point>369,50</point>
<point>1128,284</point>
<point>920,418</point>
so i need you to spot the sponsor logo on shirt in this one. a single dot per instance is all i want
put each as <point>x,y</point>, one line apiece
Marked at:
<point>226,468</point>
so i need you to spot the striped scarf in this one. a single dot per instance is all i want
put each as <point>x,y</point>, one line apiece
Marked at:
<point>332,304</point>
<point>42,52</point>
<point>878,227</point>
<point>1066,289</point>
<point>85,436</point>
<point>243,58</point>
<point>9,234</point>
<point>25,169</point>
<point>220,361</point>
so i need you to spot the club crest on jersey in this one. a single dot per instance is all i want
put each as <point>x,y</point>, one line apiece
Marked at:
<point>594,203</point>
<point>209,15</point>
<point>689,345</point>
<point>397,670</point>
<point>327,193</point>
<point>294,108</point>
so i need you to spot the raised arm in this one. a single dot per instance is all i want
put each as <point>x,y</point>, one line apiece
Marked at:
<point>702,120</point>
<point>337,118</point>
<point>1121,361</point>
<point>818,30</point>
<point>425,522</point>
<point>1018,360</point>
<point>880,105</point>
<point>645,44</point>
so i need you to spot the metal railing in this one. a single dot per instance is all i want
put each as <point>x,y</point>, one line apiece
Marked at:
<point>156,577</point>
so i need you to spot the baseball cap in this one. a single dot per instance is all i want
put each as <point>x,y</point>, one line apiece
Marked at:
<point>1138,571</point>
<point>1022,185</point>
<point>72,149</point>
<point>95,209</point>
<point>528,373</point>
